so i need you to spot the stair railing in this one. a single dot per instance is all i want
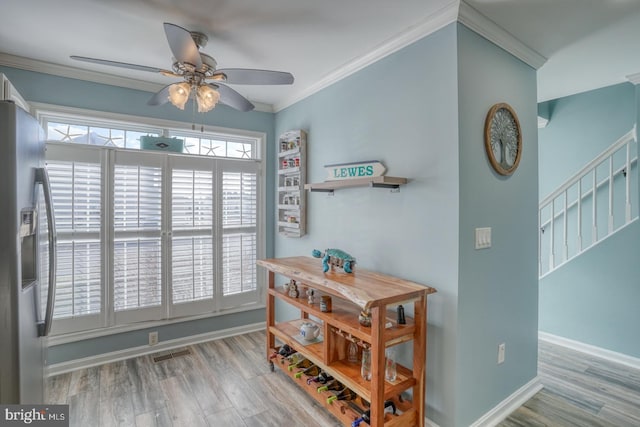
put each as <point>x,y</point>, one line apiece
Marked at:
<point>564,208</point>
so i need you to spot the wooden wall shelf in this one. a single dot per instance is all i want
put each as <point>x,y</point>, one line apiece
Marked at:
<point>291,201</point>
<point>376,182</point>
<point>350,294</point>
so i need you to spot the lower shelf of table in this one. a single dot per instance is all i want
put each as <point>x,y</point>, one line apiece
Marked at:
<point>342,410</point>
<point>342,370</point>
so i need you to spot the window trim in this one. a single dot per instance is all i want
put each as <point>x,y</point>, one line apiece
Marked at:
<point>106,322</point>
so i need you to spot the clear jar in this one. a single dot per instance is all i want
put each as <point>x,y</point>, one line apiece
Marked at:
<point>390,371</point>
<point>365,369</point>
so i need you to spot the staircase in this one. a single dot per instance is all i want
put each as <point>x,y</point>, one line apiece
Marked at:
<point>599,200</point>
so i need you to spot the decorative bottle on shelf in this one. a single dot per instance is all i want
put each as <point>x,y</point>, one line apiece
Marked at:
<point>365,369</point>
<point>346,394</point>
<point>401,318</point>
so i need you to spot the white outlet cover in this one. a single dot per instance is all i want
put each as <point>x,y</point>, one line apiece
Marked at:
<point>483,238</point>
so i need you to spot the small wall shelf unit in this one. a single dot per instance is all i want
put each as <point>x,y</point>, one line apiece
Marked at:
<point>352,293</point>
<point>391,182</point>
<point>292,173</point>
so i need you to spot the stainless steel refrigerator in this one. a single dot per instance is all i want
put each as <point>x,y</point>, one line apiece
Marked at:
<point>27,257</point>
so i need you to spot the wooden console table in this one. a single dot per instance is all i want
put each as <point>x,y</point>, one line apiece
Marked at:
<point>351,294</point>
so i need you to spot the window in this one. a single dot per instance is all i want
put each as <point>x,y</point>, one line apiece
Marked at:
<point>145,235</point>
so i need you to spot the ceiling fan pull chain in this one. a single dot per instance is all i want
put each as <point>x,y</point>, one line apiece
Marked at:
<point>193,115</point>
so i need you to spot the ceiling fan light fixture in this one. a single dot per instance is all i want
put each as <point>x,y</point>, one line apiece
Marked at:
<point>179,94</point>
<point>207,98</point>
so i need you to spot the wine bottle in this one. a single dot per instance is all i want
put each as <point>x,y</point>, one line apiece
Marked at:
<point>366,415</point>
<point>286,351</point>
<point>311,371</point>
<point>304,363</point>
<point>294,358</point>
<point>333,385</point>
<point>283,351</point>
<point>345,394</point>
<point>321,378</point>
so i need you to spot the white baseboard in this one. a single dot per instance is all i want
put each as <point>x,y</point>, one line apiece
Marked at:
<point>510,404</point>
<point>88,362</point>
<point>429,423</point>
<point>592,350</point>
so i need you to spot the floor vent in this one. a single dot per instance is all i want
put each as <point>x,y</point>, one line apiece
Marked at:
<point>171,355</point>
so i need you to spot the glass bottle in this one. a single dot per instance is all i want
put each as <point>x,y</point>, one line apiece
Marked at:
<point>334,385</point>
<point>303,364</point>
<point>311,371</point>
<point>321,378</point>
<point>346,394</point>
<point>365,369</point>
<point>390,371</point>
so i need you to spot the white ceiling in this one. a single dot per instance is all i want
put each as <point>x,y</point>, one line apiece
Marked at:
<point>588,43</point>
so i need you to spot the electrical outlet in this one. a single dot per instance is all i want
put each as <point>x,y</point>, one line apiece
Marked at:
<point>153,338</point>
<point>501,350</point>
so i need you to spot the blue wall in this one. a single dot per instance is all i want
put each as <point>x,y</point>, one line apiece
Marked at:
<point>581,127</point>
<point>409,122</point>
<point>593,298</point>
<point>428,126</point>
<point>498,287</point>
<point>425,123</point>
<point>44,88</point>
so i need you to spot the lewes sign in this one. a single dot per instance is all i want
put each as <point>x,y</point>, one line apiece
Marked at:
<point>366,169</point>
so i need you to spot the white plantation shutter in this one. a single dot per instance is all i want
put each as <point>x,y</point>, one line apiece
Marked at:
<point>238,263</point>
<point>77,201</point>
<point>193,272</point>
<point>192,263</point>
<point>152,235</point>
<point>239,232</point>
<point>137,237</point>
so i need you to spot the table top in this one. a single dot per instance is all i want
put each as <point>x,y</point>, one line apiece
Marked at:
<point>362,287</point>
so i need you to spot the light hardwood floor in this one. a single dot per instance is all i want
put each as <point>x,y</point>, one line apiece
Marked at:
<point>581,391</point>
<point>227,383</point>
<point>223,383</point>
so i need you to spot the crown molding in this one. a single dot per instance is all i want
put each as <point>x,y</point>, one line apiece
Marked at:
<point>542,122</point>
<point>476,21</point>
<point>35,65</point>
<point>454,11</point>
<point>430,24</point>
<point>634,78</point>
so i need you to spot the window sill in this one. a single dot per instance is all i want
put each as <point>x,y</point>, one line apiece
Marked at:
<point>60,339</point>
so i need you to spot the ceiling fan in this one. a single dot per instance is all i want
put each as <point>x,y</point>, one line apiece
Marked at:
<point>199,74</point>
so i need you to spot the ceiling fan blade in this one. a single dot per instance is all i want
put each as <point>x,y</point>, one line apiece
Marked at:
<point>160,97</point>
<point>182,46</point>
<point>244,76</point>
<point>117,64</point>
<point>232,98</point>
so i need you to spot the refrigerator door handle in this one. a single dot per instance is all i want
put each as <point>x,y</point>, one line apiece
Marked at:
<point>42,177</point>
